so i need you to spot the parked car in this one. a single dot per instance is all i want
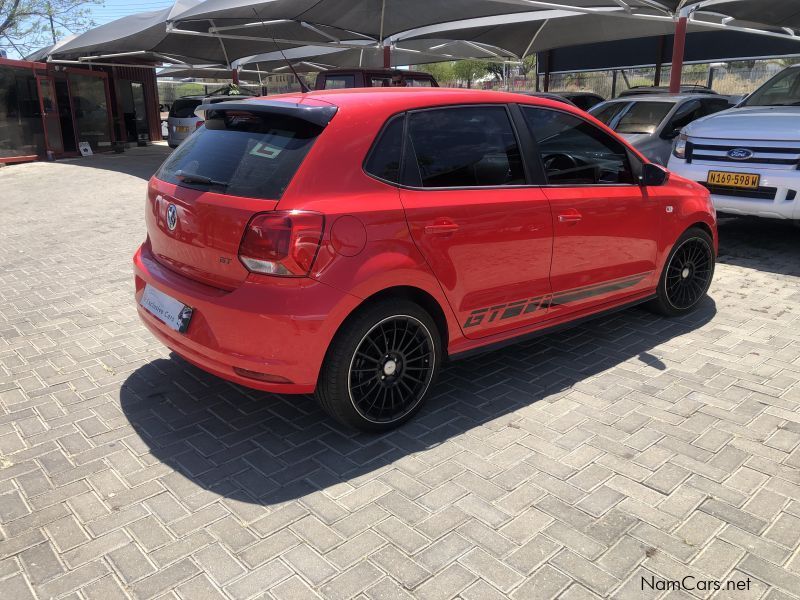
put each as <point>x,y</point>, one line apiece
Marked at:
<point>582,100</point>
<point>748,157</point>
<point>182,120</point>
<point>651,123</point>
<point>641,90</point>
<point>350,243</point>
<point>334,79</point>
<point>549,96</point>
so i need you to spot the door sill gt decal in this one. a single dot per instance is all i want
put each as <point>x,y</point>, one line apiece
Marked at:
<point>527,306</point>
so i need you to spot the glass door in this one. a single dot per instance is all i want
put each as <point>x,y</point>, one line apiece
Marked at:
<point>52,121</point>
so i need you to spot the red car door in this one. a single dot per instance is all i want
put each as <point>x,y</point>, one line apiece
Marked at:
<point>605,226</point>
<point>486,235</point>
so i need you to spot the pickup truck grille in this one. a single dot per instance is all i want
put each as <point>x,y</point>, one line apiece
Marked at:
<point>762,155</point>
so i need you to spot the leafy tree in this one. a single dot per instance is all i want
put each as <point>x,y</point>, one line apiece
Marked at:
<point>26,25</point>
<point>468,71</point>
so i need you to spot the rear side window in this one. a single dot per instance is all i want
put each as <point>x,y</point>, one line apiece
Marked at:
<point>249,154</point>
<point>337,82</point>
<point>471,146</point>
<point>183,108</point>
<point>384,159</point>
<point>575,152</point>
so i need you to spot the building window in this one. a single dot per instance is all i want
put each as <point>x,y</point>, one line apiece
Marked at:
<point>21,131</point>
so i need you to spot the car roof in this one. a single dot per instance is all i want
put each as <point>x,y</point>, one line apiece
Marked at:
<point>397,99</point>
<point>666,98</point>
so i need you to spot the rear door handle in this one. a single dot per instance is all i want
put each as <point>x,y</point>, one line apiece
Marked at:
<point>570,217</point>
<point>441,227</point>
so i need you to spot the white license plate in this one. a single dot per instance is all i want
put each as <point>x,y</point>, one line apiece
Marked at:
<point>171,312</point>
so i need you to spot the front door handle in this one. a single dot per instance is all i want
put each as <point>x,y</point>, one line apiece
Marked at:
<point>441,227</point>
<point>572,216</point>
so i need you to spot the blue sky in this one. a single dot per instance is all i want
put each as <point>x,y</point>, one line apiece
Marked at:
<point>114,9</point>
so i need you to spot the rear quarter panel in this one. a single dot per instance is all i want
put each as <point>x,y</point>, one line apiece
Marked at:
<point>366,246</point>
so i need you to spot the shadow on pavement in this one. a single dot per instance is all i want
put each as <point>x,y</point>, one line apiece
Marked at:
<point>769,245</point>
<point>269,449</point>
<point>140,162</point>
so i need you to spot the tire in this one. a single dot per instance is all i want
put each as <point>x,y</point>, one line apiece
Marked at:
<point>387,354</point>
<point>687,274</point>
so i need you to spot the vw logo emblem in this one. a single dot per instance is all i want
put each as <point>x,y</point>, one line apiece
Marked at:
<point>172,217</point>
<point>740,154</point>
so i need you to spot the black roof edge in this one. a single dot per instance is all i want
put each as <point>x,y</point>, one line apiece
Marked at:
<point>318,115</point>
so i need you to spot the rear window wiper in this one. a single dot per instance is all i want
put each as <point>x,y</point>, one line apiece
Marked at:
<point>196,178</point>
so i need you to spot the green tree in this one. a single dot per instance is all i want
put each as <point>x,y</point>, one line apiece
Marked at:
<point>467,71</point>
<point>443,71</point>
<point>26,25</point>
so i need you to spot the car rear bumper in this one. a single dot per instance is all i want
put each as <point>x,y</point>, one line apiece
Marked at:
<point>778,196</point>
<point>277,328</point>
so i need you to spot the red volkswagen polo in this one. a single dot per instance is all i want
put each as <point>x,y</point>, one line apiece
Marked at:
<point>348,243</point>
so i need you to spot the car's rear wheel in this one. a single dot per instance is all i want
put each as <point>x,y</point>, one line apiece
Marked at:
<point>687,274</point>
<point>380,366</point>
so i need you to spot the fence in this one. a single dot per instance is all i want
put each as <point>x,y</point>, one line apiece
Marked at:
<point>732,79</point>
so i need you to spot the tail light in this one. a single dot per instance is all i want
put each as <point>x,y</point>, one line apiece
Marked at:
<point>199,124</point>
<point>282,243</point>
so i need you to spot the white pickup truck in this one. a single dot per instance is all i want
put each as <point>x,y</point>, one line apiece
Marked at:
<point>748,157</point>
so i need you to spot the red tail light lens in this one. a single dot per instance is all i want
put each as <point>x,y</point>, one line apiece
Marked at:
<point>199,124</point>
<point>282,243</point>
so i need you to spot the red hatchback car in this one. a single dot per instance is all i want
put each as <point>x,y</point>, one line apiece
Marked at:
<point>348,242</point>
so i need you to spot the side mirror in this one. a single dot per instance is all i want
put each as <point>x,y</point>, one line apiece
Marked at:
<point>653,175</point>
<point>671,134</point>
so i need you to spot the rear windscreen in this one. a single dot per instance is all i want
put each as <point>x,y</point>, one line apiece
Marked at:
<point>183,108</point>
<point>249,154</point>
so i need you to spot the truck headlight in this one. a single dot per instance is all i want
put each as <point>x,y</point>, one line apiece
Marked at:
<point>679,148</point>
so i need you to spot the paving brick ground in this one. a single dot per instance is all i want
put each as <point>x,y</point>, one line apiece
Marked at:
<point>574,466</point>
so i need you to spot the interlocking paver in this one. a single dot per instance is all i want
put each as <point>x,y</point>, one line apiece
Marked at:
<point>571,465</point>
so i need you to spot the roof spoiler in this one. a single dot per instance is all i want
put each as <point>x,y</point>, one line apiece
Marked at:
<point>317,115</point>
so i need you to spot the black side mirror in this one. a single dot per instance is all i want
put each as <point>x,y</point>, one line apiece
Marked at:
<point>653,175</point>
<point>671,134</point>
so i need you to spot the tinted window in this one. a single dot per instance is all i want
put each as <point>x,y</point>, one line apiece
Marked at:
<point>411,82</point>
<point>183,108</point>
<point>380,81</point>
<point>242,154</point>
<point>465,147</point>
<point>584,101</point>
<point>643,117</point>
<point>384,159</point>
<point>335,82</point>
<point>575,152</point>
<point>607,112</point>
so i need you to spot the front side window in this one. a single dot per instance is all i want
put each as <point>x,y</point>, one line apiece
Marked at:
<point>575,152</point>
<point>471,146</point>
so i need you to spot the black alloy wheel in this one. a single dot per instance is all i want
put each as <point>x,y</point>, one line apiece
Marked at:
<point>689,273</point>
<point>391,369</point>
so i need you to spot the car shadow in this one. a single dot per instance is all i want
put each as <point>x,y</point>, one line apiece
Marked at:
<point>762,244</point>
<point>268,449</point>
<point>141,162</point>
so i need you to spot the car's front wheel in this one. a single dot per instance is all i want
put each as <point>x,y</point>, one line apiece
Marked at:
<point>687,274</point>
<point>381,366</point>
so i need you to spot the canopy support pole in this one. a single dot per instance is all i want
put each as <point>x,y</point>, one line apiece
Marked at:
<point>678,51</point>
